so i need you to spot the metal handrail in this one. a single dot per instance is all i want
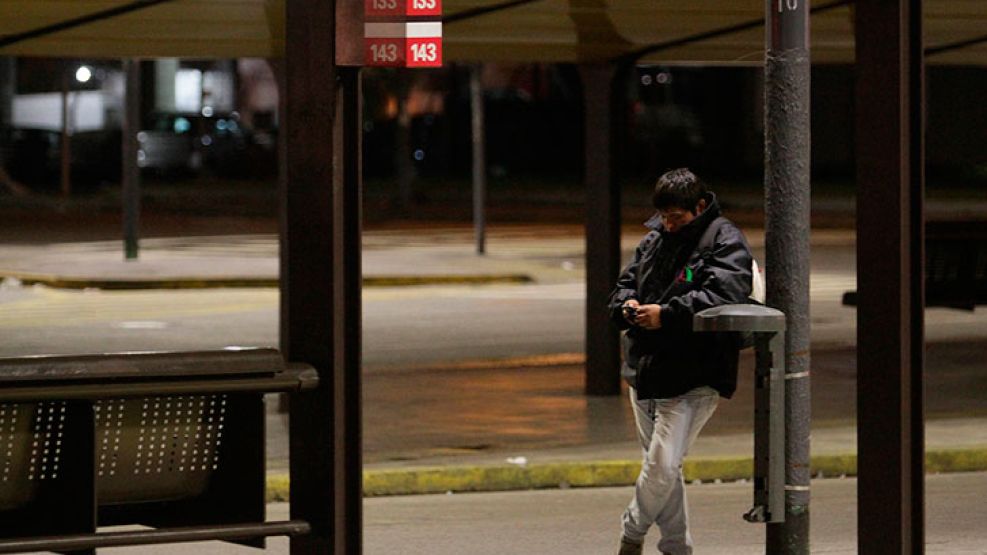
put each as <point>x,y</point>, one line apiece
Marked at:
<point>297,377</point>
<point>225,532</point>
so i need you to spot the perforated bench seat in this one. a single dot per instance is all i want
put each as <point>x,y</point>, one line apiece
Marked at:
<point>168,440</point>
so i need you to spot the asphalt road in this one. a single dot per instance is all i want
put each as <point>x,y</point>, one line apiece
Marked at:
<point>404,327</point>
<point>420,339</point>
<point>585,521</point>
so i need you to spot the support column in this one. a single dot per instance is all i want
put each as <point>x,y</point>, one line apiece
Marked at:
<point>603,94</point>
<point>65,165</point>
<point>890,277</point>
<point>479,159</point>
<point>787,137</point>
<point>130,172</point>
<point>320,278</point>
<point>8,88</point>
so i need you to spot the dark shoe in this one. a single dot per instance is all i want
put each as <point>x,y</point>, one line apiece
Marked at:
<point>628,547</point>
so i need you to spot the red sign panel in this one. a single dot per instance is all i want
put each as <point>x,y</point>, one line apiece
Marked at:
<point>424,52</point>
<point>404,52</point>
<point>402,8</point>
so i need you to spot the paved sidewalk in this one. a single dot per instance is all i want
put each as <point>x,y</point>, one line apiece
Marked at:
<point>578,521</point>
<point>403,256</point>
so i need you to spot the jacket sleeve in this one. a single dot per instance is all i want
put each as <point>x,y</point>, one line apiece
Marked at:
<point>626,288</point>
<point>725,279</point>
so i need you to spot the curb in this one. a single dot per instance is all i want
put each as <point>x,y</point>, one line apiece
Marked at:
<point>248,282</point>
<point>461,479</point>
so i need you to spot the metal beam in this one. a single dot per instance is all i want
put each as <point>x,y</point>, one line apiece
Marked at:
<point>101,15</point>
<point>602,95</point>
<point>890,271</point>
<point>320,278</point>
<point>477,12</point>
<point>958,45</point>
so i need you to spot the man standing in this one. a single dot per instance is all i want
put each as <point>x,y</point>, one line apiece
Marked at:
<point>691,260</point>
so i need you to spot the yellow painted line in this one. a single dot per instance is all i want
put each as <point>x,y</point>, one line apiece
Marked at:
<point>111,284</point>
<point>399,281</point>
<point>225,282</point>
<point>467,478</point>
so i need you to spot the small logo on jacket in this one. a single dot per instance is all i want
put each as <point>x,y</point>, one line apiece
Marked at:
<point>685,276</point>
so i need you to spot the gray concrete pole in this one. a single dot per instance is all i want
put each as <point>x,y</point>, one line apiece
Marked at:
<point>130,172</point>
<point>787,187</point>
<point>479,160</point>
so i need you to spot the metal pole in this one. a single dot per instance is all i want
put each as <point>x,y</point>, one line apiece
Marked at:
<point>602,93</point>
<point>890,277</point>
<point>130,172</point>
<point>403,166</point>
<point>348,405</point>
<point>320,277</point>
<point>787,186</point>
<point>479,159</point>
<point>8,89</point>
<point>66,142</point>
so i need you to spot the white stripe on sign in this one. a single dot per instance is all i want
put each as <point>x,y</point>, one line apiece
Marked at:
<point>396,30</point>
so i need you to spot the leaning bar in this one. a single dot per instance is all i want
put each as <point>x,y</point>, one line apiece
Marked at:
<point>229,532</point>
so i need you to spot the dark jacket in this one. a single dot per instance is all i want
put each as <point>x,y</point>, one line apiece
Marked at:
<point>667,270</point>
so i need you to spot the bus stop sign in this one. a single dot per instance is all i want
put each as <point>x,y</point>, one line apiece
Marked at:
<point>403,44</point>
<point>402,33</point>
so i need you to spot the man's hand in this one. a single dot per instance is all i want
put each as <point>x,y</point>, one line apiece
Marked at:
<point>630,315</point>
<point>649,316</point>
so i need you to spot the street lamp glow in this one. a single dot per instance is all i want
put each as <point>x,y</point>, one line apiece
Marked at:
<point>83,74</point>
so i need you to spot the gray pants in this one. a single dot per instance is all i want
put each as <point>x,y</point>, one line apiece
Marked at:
<point>666,428</point>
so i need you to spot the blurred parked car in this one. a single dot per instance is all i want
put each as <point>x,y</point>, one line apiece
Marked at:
<point>185,143</point>
<point>174,145</point>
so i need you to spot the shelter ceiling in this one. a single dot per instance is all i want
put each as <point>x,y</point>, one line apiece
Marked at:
<point>712,31</point>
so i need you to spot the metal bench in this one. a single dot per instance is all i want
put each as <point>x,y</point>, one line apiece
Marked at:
<point>955,265</point>
<point>173,441</point>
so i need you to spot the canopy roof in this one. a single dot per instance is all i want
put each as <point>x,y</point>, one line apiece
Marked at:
<point>663,31</point>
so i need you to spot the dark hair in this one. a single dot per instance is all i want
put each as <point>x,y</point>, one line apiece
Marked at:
<point>679,189</point>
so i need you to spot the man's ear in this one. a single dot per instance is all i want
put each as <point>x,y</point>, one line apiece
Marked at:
<point>701,206</point>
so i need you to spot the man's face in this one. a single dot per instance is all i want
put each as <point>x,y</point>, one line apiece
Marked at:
<point>676,218</point>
